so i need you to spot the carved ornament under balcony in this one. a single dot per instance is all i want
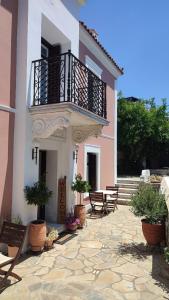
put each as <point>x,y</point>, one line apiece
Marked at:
<point>44,127</point>
<point>82,133</point>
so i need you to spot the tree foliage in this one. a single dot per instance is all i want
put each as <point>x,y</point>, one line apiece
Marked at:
<point>143,133</point>
<point>38,194</point>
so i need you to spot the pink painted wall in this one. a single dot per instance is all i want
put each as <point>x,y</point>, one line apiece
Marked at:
<point>8,37</point>
<point>6,162</point>
<point>106,144</point>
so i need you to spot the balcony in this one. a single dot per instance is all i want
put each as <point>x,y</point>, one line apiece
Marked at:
<point>65,79</point>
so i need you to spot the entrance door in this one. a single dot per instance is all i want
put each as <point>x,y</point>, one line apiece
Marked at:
<point>92,170</point>
<point>42,176</point>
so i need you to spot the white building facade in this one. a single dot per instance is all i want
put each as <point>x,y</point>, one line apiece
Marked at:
<point>53,107</point>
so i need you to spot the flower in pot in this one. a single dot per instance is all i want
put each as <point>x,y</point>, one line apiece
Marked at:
<point>150,204</point>
<point>80,186</point>
<point>72,222</point>
<point>51,237</point>
<point>12,250</point>
<point>37,195</point>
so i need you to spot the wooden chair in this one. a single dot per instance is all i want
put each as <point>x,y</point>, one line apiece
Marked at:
<point>112,199</point>
<point>11,234</point>
<point>98,202</point>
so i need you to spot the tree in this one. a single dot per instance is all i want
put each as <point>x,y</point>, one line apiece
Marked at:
<point>143,134</point>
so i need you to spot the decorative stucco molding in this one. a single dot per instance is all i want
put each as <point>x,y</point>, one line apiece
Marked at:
<point>82,133</point>
<point>45,126</point>
<point>60,133</point>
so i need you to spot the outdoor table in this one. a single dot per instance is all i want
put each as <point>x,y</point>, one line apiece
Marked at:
<point>106,193</point>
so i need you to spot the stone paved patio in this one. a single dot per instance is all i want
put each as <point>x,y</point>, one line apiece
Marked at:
<point>107,260</point>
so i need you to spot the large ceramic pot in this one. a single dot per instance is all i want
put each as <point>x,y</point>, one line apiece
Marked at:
<point>80,213</point>
<point>153,233</point>
<point>37,235</point>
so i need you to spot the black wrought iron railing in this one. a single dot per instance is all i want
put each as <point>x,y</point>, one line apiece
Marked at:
<point>64,78</point>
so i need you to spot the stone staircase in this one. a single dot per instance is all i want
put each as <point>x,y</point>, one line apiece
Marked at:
<point>127,187</point>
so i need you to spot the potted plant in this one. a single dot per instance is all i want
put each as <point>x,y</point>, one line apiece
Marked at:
<point>51,237</point>
<point>12,250</point>
<point>38,195</point>
<point>80,186</point>
<point>72,222</point>
<point>150,204</point>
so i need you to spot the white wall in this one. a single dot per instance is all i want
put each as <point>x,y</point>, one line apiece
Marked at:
<point>73,6</point>
<point>29,49</point>
<point>65,162</point>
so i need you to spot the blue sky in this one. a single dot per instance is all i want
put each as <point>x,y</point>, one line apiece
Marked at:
<point>136,34</point>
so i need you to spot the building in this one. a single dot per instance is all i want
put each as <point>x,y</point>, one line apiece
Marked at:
<point>97,160</point>
<point>60,101</point>
<point>8,41</point>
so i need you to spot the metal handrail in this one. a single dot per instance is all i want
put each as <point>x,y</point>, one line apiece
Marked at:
<point>64,78</point>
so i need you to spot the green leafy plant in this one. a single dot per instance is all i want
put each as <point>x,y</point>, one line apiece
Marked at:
<point>80,186</point>
<point>38,194</point>
<point>149,203</point>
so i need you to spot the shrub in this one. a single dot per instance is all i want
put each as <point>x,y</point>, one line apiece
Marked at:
<point>80,186</point>
<point>150,204</point>
<point>38,194</point>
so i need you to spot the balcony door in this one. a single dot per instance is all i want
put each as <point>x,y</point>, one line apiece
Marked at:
<point>50,72</point>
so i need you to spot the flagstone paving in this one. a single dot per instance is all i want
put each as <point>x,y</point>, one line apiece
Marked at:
<point>108,259</point>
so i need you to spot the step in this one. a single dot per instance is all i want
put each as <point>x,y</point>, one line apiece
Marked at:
<point>128,181</point>
<point>128,191</point>
<point>124,196</point>
<point>122,201</point>
<point>59,227</point>
<point>128,185</point>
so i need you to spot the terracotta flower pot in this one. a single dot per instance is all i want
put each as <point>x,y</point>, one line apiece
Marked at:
<point>80,213</point>
<point>37,235</point>
<point>48,244</point>
<point>153,233</point>
<point>12,251</point>
<point>71,227</point>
